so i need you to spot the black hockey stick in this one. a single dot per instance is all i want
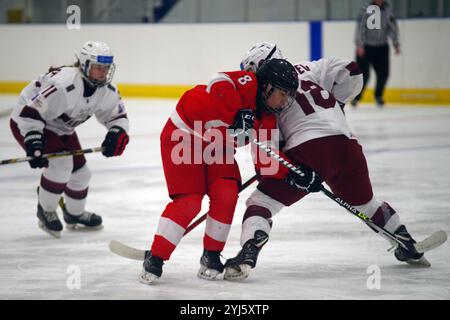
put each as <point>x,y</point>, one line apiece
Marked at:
<point>54,155</point>
<point>123,250</point>
<point>203,217</point>
<point>332,196</point>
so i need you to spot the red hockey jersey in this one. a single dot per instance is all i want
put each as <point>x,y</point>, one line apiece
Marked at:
<point>214,106</point>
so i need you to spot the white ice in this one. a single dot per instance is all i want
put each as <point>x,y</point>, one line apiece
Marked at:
<point>316,249</point>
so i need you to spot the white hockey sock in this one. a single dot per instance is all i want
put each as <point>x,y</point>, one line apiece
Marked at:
<point>75,206</point>
<point>76,190</point>
<point>48,200</point>
<point>53,181</point>
<point>251,224</point>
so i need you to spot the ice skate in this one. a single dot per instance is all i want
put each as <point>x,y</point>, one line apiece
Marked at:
<point>410,255</point>
<point>210,265</point>
<point>86,221</point>
<point>49,222</point>
<point>238,268</point>
<point>152,269</point>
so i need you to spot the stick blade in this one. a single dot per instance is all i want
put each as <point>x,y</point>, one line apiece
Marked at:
<point>125,251</point>
<point>432,242</point>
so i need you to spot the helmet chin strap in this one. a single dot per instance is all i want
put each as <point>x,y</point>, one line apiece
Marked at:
<point>271,52</point>
<point>268,56</point>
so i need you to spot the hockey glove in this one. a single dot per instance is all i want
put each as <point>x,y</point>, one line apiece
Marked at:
<point>34,146</point>
<point>243,121</point>
<point>309,182</point>
<point>115,141</point>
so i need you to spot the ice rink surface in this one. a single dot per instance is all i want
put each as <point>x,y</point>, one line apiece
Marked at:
<point>316,249</point>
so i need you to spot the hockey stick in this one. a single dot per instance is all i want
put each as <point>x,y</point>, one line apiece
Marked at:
<point>125,251</point>
<point>203,217</point>
<point>54,155</point>
<point>431,242</point>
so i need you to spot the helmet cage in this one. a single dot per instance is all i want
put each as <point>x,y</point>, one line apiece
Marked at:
<point>267,92</point>
<point>98,60</point>
<point>277,74</point>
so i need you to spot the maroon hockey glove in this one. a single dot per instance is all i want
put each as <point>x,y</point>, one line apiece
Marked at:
<point>115,142</point>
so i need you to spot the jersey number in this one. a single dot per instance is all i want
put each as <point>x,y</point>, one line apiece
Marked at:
<point>243,80</point>
<point>316,93</point>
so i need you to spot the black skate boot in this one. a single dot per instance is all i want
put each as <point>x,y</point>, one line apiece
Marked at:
<point>238,268</point>
<point>86,220</point>
<point>210,265</point>
<point>409,255</point>
<point>49,222</point>
<point>152,268</point>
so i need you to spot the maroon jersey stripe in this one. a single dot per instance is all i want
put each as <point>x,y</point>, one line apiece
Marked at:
<point>50,92</point>
<point>353,68</point>
<point>29,112</point>
<point>47,89</point>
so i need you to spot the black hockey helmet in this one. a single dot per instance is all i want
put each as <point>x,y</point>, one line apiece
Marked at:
<point>280,74</point>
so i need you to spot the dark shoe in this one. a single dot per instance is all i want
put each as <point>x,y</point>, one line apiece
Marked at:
<point>49,222</point>
<point>86,219</point>
<point>403,254</point>
<point>239,267</point>
<point>210,265</point>
<point>152,268</point>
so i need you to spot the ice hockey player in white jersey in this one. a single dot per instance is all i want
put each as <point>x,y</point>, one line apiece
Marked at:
<point>44,121</point>
<point>341,77</point>
<point>317,139</point>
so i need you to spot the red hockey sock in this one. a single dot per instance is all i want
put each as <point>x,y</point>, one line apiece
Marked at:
<point>223,194</point>
<point>173,222</point>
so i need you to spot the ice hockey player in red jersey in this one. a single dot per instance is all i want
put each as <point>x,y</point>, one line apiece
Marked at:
<point>318,140</point>
<point>197,148</point>
<point>44,121</point>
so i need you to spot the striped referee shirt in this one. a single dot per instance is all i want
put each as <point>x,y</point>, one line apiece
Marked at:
<point>368,35</point>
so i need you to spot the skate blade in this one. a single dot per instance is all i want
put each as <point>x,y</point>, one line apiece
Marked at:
<point>82,227</point>
<point>422,262</point>
<point>147,278</point>
<point>232,274</point>
<point>207,273</point>
<point>55,234</point>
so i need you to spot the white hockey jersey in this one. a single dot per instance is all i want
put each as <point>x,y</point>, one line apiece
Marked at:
<point>316,112</point>
<point>55,101</point>
<point>341,77</point>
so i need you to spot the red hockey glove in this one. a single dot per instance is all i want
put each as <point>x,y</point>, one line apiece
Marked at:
<point>115,142</point>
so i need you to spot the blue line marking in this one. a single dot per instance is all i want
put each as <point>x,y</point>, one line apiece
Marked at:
<point>315,40</point>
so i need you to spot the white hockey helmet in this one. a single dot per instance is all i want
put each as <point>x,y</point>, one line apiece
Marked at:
<point>257,54</point>
<point>96,52</point>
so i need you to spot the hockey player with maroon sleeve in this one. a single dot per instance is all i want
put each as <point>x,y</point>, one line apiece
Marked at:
<point>44,121</point>
<point>318,140</point>
<point>197,149</point>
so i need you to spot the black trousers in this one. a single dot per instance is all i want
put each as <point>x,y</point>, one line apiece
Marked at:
<point>378,57</point>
